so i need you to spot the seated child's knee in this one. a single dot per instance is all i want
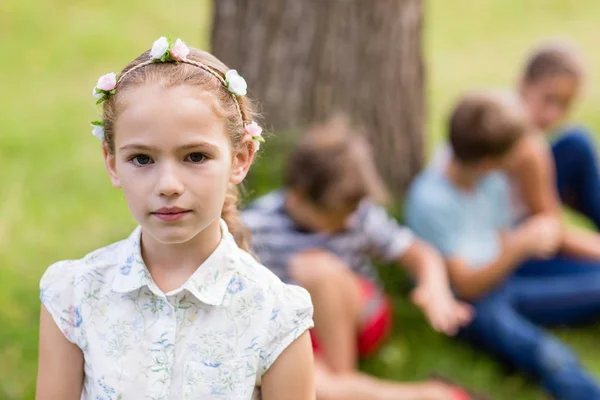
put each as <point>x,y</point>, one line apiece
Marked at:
<point>577,138</point>
<point>312,267</point>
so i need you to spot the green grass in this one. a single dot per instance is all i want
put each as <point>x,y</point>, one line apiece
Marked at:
<point>56,201</point>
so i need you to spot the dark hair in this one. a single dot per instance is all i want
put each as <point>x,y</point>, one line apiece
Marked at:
<point>333,167</point>
<point>171,74</point>
<point>551,59</point>
<point>486,124</point>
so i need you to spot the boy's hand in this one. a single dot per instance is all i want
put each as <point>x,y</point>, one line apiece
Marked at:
<point>442,310</point>
<point>541,235</point>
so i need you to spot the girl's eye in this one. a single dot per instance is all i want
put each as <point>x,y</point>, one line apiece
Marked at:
<point>196,158</point>
<point>140,160</point>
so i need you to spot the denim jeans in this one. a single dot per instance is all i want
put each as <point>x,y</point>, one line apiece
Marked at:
<point>554,292</point>
<point>577,177</point>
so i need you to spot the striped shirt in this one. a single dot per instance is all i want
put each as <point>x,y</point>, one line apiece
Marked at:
<point>370,232</point>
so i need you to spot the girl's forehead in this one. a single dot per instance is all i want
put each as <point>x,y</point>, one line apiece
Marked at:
<point>152,111</point>
<point>178,104</point>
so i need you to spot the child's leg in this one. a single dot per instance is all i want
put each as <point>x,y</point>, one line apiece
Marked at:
<point>577,175</point>
<point>335,292</point>
<point>558,267</point>
<point>359,386</point>
<point>500,328</point>
<point>566,291</point>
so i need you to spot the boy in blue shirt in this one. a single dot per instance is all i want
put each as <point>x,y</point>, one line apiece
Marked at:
<point>461,205</point>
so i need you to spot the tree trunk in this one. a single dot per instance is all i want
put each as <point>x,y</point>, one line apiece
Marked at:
<point>307,59</point>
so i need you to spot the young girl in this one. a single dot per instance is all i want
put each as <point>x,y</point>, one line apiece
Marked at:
<point>320,232</point>
<point>565,171</point>
<point>179,310</point>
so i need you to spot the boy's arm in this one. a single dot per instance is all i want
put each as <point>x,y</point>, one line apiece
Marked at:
<point>471,283</point>
<point>60,371</point>
<point>536,237</point>
<point>391,242</point>
<point>432,293</point>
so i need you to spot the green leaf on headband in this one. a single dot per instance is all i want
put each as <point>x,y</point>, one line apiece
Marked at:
<point>101,100</point>
<point>97,123</point>
<point>112,92</point>
<point>259,139</point>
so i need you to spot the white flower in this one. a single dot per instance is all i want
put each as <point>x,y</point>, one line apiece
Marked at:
<point>159,48</point>
<point>98,131</point>
<point>235,83</point>
<point>96,94</point>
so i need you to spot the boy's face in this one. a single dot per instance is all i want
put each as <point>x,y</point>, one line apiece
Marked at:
<point>315,218</point>
<point>549,99</point>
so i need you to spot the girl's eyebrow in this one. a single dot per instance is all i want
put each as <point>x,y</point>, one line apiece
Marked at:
<point>192,145</point>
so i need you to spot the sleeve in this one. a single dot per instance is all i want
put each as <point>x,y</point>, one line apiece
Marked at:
<point>502,201</point>
<point>387,240</point>
<point>431,221</point>
<point>290,316</point>
<point>57,294</point>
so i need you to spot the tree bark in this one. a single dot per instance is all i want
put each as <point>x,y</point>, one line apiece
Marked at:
<point>307,59</point>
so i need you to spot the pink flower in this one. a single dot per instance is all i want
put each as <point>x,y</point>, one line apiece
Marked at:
<point>180,51</point>
<point>107,82</point>
<point>253,129</point>
<point>255,132</point>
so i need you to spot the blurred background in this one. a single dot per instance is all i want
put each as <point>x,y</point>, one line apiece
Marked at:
<point>56,201</point>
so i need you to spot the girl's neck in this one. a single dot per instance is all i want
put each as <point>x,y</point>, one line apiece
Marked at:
<point>171,265</point>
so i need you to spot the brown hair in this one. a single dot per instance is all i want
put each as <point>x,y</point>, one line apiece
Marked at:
<point>486,124</point>
<point>170,74</point>
<point>333,167</point>
<point>553,58</point>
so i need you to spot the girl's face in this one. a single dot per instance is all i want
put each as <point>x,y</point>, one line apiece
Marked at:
<point>174,160</point>
<point>549,99</point>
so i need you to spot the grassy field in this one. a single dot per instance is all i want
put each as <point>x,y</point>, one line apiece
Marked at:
<point>56,201</point>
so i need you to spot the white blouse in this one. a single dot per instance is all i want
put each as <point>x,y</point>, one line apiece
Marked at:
<point>213,338</point>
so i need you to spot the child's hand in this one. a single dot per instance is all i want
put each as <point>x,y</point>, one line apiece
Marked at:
<point>541,235</point>
<point>443,311</point>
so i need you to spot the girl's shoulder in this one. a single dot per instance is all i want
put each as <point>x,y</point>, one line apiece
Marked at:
<point>98,263</point>
<point>258,279</point>
<point>280,312</point>
<point>68,284</point>
<point>531,151</point>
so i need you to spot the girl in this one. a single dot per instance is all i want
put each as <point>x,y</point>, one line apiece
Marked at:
<point>566,171</point>
<point>319,232</point>
<point>179,309</point>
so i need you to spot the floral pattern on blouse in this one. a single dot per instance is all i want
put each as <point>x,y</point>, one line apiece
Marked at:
<point>213,338</point>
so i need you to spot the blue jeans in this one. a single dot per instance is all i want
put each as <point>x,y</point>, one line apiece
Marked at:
<point>577,177</point>
<point>555,292</point>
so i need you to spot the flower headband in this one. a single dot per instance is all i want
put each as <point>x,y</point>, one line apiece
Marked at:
<point>164,50</point>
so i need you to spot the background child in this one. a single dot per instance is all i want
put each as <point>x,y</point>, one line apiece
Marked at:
<point>177,310</point>
<point>543,176</point>
<point>462,207</point>
<point>320,231</point>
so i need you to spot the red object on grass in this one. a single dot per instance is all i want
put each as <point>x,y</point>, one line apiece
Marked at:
<point>378,321</point>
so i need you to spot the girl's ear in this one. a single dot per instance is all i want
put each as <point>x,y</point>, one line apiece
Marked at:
<point>110,162</point>
<point>242,159</point>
